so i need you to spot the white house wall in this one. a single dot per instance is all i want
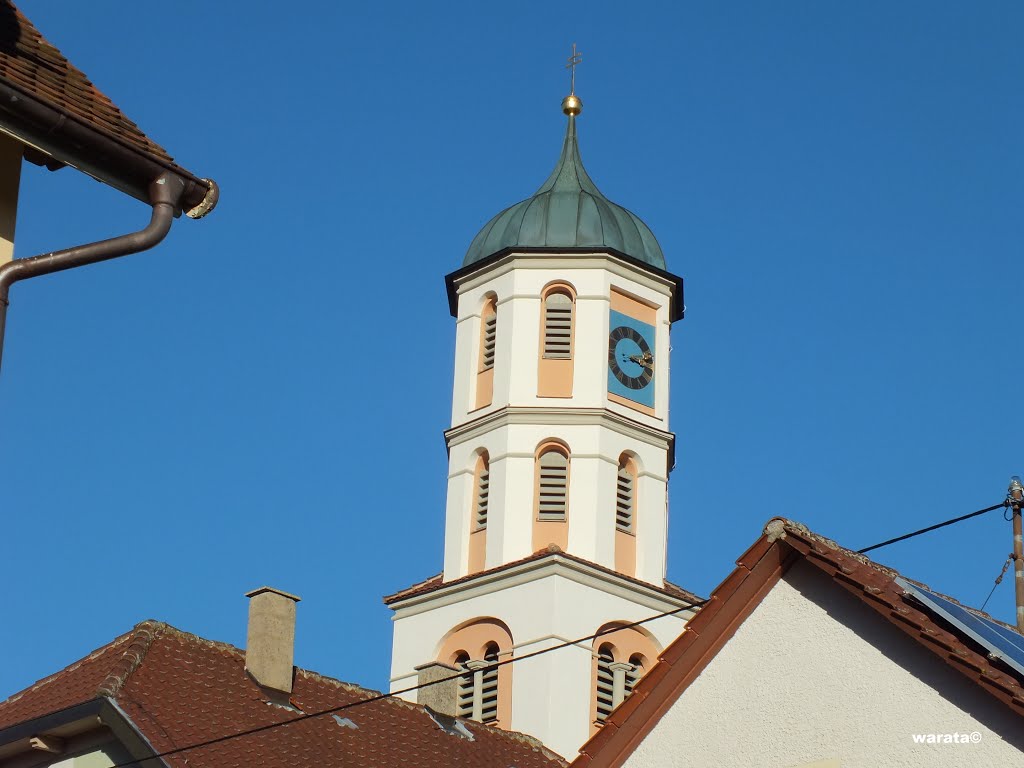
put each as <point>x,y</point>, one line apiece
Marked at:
<point>814,675</point>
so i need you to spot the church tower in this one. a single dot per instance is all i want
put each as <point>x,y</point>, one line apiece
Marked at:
<point>559,456</point>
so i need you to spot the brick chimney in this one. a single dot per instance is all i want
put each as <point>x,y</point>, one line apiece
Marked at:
<point>270,645</point>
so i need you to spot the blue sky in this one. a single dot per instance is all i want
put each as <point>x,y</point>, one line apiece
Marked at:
<point>840,185</point>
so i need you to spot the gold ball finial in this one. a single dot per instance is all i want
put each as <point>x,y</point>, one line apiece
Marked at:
<point>572,105</point>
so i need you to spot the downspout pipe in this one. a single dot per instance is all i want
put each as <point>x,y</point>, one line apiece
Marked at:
<point>165,195</point>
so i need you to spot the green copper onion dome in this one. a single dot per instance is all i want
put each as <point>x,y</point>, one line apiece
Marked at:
<point>568,211</point>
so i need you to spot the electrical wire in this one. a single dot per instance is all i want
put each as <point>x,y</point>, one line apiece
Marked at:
<point>392,694</point>
<point>566,644</point>
<point>999,580</point>
<point>932,528</point>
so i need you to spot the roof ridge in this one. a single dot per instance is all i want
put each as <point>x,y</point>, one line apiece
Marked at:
<point>337,683</point>
<point>792,526</point>
<point>141,639</point>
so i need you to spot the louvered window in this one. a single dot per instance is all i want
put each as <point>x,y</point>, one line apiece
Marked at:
<point>489,687</point>
<point>553,486</point>
<point>633,674</point>
<point>558,326</point>
<point>464,705</point>
<point>605,684</point>
<point>478,687</point>
<point>490,338</point>
<point>483,482</point>
<point>625,498</point>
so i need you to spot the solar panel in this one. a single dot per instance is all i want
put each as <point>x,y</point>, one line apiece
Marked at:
<point>1001,642</point>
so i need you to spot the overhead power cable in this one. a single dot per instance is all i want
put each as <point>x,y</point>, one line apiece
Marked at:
<point>410,689</point>
<point>932,528</point>
<point>999,580</point>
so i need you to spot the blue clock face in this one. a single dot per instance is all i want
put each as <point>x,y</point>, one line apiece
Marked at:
<point>631,359</point>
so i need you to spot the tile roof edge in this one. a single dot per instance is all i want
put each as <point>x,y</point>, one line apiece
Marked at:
<point>55,676</point>
<point>395,596</point>
<point>437,582</point>
<point>785,541</point>
<point>757,570</point>
<point>170,165</point>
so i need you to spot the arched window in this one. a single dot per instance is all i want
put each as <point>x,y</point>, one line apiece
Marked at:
<point>625,497</point>
<point>637,667</point>
<point>626,515</point>
<point>484,692</point>
<point>551,497</point>
<point>557,326</point>
<point>490,336</point>
<point>478,514</point>
<point>605,683</point>
<point>489,686</point>
<point>620,660</point>
<point>552,486</point>
<point>464,705</point>
<point>487,352</point>
<point>483,484</point>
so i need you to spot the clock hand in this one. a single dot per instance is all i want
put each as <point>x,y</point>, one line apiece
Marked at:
<point>644,360</point>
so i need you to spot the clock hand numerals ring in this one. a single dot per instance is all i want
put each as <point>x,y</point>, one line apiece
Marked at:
<point>630,337</point>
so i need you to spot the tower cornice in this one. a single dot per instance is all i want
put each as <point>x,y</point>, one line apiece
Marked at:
<point>610,259</point>
<point>537,566</point>
<point>562,416</point>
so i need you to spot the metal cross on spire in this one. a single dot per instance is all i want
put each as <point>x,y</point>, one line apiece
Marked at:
<point>573,60</point>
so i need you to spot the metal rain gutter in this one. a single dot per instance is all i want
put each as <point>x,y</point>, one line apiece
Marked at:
<point>65,138</point>
<point>165,194</point>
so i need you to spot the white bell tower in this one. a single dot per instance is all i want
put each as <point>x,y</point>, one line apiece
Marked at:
<point>559,456</point>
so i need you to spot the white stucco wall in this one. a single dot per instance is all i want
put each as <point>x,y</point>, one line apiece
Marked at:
<point>517,283</point>
<point>592,481</point>
<point>595,446</point>
<point>815,675</point>
<point>545,606</point>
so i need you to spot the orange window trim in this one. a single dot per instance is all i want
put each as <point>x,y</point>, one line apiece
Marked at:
<point>555,374</point>
<point>546,532</point>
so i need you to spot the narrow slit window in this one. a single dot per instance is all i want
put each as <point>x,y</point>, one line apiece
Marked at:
<point>605,684</point>
<point>483,484</point>
<point>558,326</point>
<point>625,498</point>
<point>553,486</point>
<point>464,705</point>
<point>489,687</point>
<point>633,674</point>
<point>490,339</point>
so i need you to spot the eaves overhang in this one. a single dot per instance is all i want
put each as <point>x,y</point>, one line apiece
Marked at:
<point>538,565</point>
<point>676,306</point>
<point>81,718</point>
<point>67,140</point>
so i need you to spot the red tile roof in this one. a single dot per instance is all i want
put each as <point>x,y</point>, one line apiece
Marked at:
<point>758,570</point>
<point>50,105</point>
<point>29,62</point>
<point>180,689</point>
<point>437,582</point>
